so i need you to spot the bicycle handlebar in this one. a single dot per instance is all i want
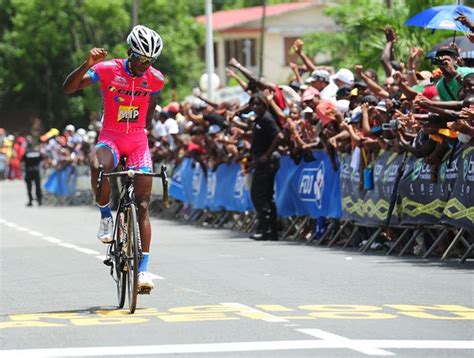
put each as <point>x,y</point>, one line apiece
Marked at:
<point>133,173</point>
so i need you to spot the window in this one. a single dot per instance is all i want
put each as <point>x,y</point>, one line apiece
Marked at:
<point>290,56</point>
<point>238,49</point>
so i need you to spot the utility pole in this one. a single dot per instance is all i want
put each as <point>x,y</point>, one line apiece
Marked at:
<point>209,49</point>
<point>262,35</point>
<point>134,13</point>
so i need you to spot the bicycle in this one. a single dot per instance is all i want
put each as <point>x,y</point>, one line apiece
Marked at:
<point>124,252</point>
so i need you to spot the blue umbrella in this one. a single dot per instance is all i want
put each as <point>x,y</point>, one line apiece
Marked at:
<point>442,18</point>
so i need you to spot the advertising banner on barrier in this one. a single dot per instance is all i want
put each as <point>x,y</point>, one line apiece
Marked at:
<point>376,202</point>
<point>309,188</point>
<point>176,189</point>
<point>352,197</point>
<point>459,210</point>
<point>423,198</point>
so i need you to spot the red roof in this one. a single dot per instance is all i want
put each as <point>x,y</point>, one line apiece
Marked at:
<point>230,18</point>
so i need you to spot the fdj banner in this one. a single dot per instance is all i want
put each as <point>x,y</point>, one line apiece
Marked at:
<point>222,188</point>
<point>423,199</point>
<point>459,210</point>
<point>309,188</point>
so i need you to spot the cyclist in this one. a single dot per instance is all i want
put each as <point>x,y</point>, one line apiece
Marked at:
<point>129,90</point>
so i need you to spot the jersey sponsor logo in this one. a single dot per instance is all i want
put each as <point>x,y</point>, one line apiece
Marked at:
<point>119,99</point>
<point>127,92</point>
<point>128,113</point>
<point>120,79</point>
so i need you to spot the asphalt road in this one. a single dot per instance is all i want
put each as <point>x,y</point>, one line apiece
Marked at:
<point>219,294</point>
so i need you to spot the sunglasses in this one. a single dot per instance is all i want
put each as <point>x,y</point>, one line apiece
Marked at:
<point>143,59</point>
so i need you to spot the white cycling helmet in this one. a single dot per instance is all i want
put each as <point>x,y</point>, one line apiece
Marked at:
<point>145,41</point>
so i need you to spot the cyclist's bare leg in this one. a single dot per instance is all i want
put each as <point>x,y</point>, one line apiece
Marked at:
<point>101,156</point>
<point>142,196</point>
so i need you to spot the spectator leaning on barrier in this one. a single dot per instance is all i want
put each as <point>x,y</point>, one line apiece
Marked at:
<point>265,141</point>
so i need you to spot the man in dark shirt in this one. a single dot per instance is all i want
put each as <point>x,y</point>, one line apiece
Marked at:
<point>266,137</point>
<point>32,160</point>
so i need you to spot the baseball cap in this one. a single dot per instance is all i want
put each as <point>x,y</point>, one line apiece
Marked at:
<point>173,107</point>
<point>213,129</point>
<point>446,50</point>
<point>381,106</point>
<point>309,94</point>
<point>70,127</point>
<point>318,75</point>
<point>345,76</point>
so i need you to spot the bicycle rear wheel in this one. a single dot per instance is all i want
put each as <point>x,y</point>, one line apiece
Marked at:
<point>132,257</point>
<point>119,259</point>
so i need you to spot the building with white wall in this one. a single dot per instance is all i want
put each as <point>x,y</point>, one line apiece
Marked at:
<point>237,33</point>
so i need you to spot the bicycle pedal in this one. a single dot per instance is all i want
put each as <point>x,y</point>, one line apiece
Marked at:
<point>108,262</point>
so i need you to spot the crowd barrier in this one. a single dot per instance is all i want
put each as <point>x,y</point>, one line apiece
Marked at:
<point>403,199</point>
<point>69,185</point>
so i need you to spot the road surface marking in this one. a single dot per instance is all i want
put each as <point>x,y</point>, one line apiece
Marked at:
<point>51,239</point>
<point>355,345</point>
<point>368,347</point>
<point>254,313</point>
<point>62,244</point>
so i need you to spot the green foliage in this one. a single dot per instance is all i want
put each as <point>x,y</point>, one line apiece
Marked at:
<point>362,38</point>
<point>42,41</point>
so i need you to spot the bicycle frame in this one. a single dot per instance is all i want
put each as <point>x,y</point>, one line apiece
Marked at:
<point>125,251</point>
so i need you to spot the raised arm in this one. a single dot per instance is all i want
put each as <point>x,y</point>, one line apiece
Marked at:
<point>298,48</point>
<point>78,79</point>
<point>387,53</point>
<point>371,84</point>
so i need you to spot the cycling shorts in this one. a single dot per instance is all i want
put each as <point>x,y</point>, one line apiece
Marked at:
<point>133,146</point>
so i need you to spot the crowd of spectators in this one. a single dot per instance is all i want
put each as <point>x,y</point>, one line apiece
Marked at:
<point>345,110</point>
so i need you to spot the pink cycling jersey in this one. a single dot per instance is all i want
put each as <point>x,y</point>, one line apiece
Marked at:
<point>126,100</point>
<point>126,97</point>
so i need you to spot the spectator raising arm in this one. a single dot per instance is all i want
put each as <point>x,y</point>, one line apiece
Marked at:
<point>373,86</point>
<point>298,48</point>
<point>387,53</point>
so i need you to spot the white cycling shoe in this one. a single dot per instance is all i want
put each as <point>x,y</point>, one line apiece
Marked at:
<point>145,283</point>
<point>106,230</point>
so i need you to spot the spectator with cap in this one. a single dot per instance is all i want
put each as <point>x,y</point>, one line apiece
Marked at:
<point>448,86</point>
<point>165,128</point>
<point>320,79</point>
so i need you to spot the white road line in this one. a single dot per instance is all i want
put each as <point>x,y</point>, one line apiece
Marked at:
<point>68,245</point>
<point>355,345</point>
<point>232,347</point>
<point>155,277</point>
<point>51,239</point>
<point>65,244</point>
<point>265,316</point>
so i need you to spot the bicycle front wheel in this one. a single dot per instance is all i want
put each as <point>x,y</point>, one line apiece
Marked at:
<point>132,258</point>
<point>119,257</point>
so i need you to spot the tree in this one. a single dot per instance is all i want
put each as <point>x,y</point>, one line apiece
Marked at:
<point>42,41</point>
